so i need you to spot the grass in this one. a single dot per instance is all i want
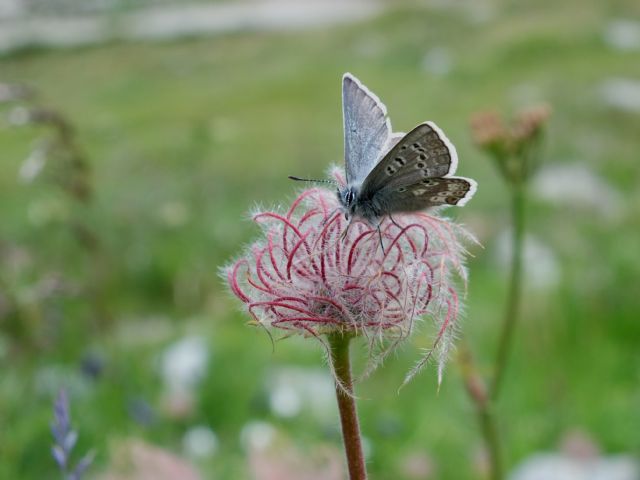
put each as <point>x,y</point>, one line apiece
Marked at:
<point>215,126</point>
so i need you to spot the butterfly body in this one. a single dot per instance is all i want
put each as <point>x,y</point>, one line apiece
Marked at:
<point>394,172</point>
<point>355,205</point>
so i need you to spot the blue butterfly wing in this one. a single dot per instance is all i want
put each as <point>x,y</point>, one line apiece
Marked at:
<point>367,130</point>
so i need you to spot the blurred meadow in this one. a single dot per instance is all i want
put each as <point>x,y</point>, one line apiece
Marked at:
<point>110,254</point>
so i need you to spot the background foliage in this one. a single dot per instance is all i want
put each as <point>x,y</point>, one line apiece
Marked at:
<point>184,137</point>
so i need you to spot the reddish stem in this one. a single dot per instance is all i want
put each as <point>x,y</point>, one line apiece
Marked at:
<point>339,345</point>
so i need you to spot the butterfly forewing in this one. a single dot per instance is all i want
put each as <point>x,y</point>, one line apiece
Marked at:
<point>366,128</point>
<point>424,152</point>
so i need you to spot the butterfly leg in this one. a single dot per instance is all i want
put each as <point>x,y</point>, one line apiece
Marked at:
<point>394,222</point>
<point>329,217</point>
<point>380,238</point>
<point>344,234</point>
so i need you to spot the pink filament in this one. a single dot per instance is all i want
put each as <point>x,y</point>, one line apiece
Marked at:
<point>306,277</point>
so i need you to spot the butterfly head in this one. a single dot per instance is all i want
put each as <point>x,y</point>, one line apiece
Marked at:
<point>347,197</point>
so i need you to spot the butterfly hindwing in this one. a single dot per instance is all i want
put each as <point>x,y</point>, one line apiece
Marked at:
<point>424,152</point>
<point>367,129</point>
<point>428,192</point>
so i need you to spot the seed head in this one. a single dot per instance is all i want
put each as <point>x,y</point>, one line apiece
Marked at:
<point>304,277</point>
<point>514,146</point>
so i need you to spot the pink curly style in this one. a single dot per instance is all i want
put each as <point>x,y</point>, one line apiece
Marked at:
<point>304,277</point>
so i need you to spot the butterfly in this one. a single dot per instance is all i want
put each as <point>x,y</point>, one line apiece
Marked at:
<point>389,172</point>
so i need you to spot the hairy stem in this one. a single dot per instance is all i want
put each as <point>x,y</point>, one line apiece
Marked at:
<point>339,345</point>
<point>515,287</point>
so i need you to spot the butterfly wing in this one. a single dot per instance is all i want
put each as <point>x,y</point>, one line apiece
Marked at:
<point>392,141</point>
<point>424,152</point>
<point>416,174</point>
<point>367,129</point>
<point>429,192</point>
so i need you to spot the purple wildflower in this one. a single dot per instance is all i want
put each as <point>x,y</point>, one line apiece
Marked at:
<point>65,440</point>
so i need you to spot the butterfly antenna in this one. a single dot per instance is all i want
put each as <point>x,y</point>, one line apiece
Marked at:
<point>344,233</point>
<point>395,223</point>
<point>298,179</point>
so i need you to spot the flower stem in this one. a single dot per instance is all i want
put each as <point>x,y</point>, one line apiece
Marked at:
<point>477,390</point>
<point>483,398</point>
<point>339,346</point>
<point>492,437</point>
<point>518,194</point>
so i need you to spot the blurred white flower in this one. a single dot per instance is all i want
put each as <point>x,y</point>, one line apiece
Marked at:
<point>11,8</point>
<point>622,94</point>
<point>293,389</point>
<point>19,116</point>
<point>623,34</point>
<point>257,435</point>
<point>285,401</point>
<point>553,466</point>
<point>541,267</point>
<point>33,164</point>
<point>577,186</point>
<point>175,21</point>
<point>200,442</point>
<point>437,61</point>
<point>184,364</point>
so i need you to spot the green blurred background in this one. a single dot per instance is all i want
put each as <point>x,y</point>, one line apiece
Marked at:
<point>185,135</point>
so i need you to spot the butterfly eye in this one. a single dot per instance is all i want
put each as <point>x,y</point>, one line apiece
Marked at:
<point>349,197</point>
